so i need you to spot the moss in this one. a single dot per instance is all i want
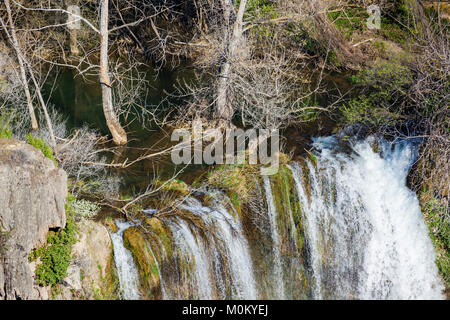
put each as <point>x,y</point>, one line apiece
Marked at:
<point>438,221</point>
<point>145,262</point>
<point>287,204</point>
<point>158,232</point>
<point>383,86</point>
<point>111,285</point>
<point>109,222</point>
<point>349,20</point>
<point>237,181</point>
<point>41,145</point>
<point>175,185</point>
<point>5,133</point>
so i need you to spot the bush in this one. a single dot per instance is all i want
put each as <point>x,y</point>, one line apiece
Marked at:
<point>41,145</point>
<point>84,209</point>
<point>55,254</point>
<point>383,88</point>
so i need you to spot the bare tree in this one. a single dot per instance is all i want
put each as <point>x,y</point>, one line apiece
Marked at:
<point>118,133</point>
<point>11,34</point>
<point>233,39</point>
<point>260,81</point>
<point>97,58</point>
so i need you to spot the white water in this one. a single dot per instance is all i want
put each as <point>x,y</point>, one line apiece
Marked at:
<point>366,233</point>
<point>195,254</point>
<point>365,237</point>
<point>311,228</point>
<point>277,264</point>
<point>126,269</point>
<point>228,240</point>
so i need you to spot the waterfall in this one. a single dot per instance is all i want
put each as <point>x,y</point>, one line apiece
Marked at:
<point>277,264</point>
<point>195,254</point>
<point>367,238</point>
<point>348,228</point>
<point>126,269</point>
<point>236,247</point>
<point>228,252</point>
<point>161,280</point>
<point>311,228</point>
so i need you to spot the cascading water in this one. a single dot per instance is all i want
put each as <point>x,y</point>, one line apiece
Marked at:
<point>226,262</point>
<point>126,269</point>
<point>366,234</point>
<point>195,254</point>
<point>278,271</point>
<point>341,224</point>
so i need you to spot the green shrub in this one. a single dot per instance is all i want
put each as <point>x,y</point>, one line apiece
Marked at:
<point>41,145</point>
<point>350,20</point>
<point>84,209</point>
<point>383,87</point>
<point>54,256</point>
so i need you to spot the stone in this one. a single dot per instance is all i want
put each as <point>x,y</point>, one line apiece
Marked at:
<point>32,202</point>
<point>92,253</point>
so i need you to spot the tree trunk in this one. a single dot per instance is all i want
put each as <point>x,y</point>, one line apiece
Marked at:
<point>118,133</point>
<point>224,110</point>
<point>16,46</point>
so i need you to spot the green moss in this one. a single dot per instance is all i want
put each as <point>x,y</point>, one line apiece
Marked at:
<point>383,85</point>
<point>54,256</point>
<point>175,185</point>
<point>438,222</point>
<point>287,204</point>
<point>41,145</point>
<point>145,262</point>
<point>237,181</point>
<point>5,133</point>
<point>159,231</point>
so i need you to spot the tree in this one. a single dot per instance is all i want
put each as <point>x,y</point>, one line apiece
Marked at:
<point>11,34</point>
<point>87,61</point>
<point>118,133</point>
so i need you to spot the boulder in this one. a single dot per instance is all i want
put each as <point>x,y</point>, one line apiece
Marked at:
<point>32,199</point>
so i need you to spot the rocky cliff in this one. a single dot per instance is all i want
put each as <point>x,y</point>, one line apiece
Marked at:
<point>32,198</point>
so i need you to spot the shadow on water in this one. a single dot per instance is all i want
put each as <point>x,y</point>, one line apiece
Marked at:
<point>79,100</point>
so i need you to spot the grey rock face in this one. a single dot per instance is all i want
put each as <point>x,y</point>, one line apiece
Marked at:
<point>32,197</point>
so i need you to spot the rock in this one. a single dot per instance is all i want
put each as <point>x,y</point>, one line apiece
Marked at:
<point>92,254</point>
<point>32,198</point>
<point>145,262</point>
<point>111,225</point>
<point>73,278</point>
<point>41,293</point>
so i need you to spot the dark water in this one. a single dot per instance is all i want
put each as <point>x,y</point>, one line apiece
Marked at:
<point>79,100</point>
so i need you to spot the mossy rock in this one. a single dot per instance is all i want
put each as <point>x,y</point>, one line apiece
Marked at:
<point>159,234</point>
<point>111,225</point>
<point>287,203</point>
<point>145,262</point>
<point>177,186</point>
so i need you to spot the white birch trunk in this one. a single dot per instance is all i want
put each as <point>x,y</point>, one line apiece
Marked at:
<point>118,133</point>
